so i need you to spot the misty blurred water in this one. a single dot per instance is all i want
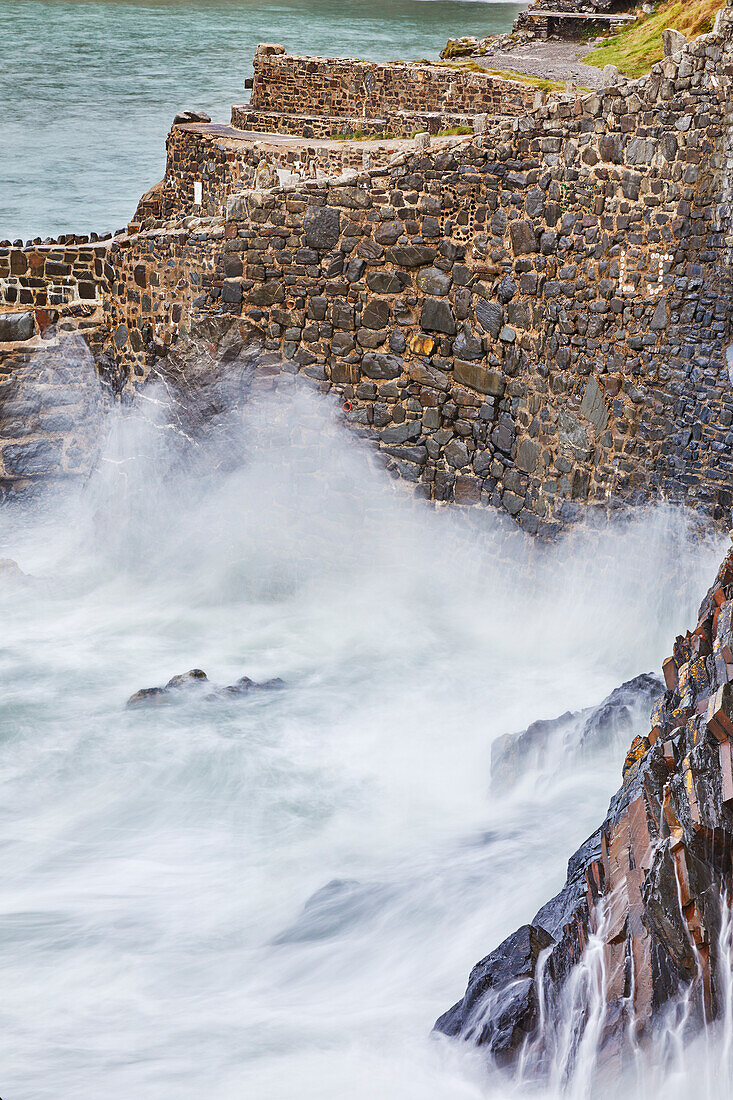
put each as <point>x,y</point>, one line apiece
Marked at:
<point>89,87</point>
<point>156,863</point>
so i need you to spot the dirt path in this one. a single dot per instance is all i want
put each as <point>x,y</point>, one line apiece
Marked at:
<point>552,60</point>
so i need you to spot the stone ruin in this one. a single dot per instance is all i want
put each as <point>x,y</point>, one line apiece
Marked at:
<point>533,315</point>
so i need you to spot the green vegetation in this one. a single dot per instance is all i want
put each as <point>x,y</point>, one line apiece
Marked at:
<point>468,65</point>
<point>636,48</point>
<point>361,136</point>
<point>455,131</point>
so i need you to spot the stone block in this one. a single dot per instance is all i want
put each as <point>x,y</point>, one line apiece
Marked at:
<point>34,459</point>
<point>322,225</point>
<point>523,237</point>
<point>593,406</point>
<point>437,316</point>
<point>478,377</point>
<point>16,326</point>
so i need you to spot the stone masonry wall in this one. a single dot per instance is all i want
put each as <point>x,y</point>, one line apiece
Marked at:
<point>223,162</point>
<point>395,124</point>
<point>536,318</point>
<point>363,89</point>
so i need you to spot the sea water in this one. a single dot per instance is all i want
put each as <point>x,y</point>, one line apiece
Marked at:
<point>89,87</point>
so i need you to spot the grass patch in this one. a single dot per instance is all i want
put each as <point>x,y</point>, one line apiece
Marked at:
<point>636,48</point>
<point>361,136</point>
<point>455,131</point>
<point>470,66</point>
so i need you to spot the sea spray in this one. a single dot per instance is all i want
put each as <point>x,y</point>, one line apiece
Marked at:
<point>152,859</point>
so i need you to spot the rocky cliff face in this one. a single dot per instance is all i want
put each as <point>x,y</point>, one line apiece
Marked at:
<point>639,919</point>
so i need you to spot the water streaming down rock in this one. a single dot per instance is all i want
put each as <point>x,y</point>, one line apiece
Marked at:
<point>637,942</point>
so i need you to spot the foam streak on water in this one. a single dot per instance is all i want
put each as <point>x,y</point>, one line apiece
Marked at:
<point>156,863</point>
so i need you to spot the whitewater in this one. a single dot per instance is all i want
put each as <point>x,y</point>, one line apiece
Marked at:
<point>159,933</point>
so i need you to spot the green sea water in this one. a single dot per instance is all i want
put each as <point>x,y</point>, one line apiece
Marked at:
<point>89,87</point>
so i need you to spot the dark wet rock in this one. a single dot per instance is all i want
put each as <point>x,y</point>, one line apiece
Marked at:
<point>16,326</point>
<point>197,684</point>
<point>499,1008</point>
<point>591,729</point>
<point>335,908</point>
<point>651,884</point>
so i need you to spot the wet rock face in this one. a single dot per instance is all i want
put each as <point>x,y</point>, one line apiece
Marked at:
<point>196,684</point>
<point>645,895</point>
<point>574,733</point>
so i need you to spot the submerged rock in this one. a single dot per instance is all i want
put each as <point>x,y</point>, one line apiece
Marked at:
<point>646,896</point>
<point>196,682</point>
<point>337,906</point>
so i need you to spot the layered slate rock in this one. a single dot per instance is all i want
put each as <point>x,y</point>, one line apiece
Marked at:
<point>647,891</point>
<point>574,733</point>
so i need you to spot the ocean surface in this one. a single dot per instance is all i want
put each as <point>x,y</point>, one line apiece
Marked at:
<point>89,87</point>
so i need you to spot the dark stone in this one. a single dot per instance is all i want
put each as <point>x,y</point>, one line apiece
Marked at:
<point>16,326</point>
<point>322,225</point>
<point>433,281</point>
<point>437,316</point>
<point>334,909</point>
<point>523,237</point>
<point>490,316</point>
<point>387,282</point>
<point>411,255</point>
<point>42,457</point>
<point>381,366</point>
<point>499,1008</point>
<point>375,315</point>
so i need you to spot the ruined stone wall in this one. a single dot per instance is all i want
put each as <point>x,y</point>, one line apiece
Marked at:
<point>393,124</point>
<point>162,279</point>
<point>218,158</point>
<point>53,275</point>
<point>363,89</point>
<point>536,318</point>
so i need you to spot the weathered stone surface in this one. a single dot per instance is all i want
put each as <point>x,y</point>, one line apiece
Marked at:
<point>322,226</point>
<point>478,377</point>
<point>500,1006</point>
<point>437,316</point>
<point>659,867</point>
<point>16,326</point>
<point>593,406</point>
<point>41,457</point>
<point>196,684</point>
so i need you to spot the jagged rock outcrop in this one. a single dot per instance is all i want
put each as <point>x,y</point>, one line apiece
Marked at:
<point>646,894</point>
<point>574,733</point>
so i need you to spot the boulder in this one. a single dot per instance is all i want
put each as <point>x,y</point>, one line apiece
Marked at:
<point>16,326</point>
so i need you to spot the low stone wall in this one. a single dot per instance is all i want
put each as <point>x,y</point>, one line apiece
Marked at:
<point>223,160</point>
<point>398,124</point>
<point>53,275</point>
<point>363,89</point>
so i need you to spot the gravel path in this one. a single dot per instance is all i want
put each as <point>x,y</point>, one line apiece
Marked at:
<point>553,60</point>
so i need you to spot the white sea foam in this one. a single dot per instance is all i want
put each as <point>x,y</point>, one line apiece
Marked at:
<point>151,858</point>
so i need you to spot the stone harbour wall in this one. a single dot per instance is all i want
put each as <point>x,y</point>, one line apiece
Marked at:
<point>535,318</point>
<point>392,124</point>
<point>351,88</point>
<point>222,161</point>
